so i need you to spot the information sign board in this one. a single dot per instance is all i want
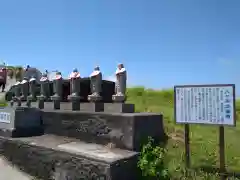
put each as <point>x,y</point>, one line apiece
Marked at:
<point>5,117</point>
<point>205,104</point>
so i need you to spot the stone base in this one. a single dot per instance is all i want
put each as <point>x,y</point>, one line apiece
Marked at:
<point>22,132</point>
<point>23,98</point>
<point>75,102</point>
<point>20,121</point>
<point>41,97</point>
<point>118,98</point>
<point>52,157</point>
<point>31,98</point>
<point>94,98</point>
<point>92,107</point>
<point>119,108</point>
<point>124,130</point>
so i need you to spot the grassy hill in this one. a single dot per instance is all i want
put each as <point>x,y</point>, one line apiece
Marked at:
<point>204,139</point>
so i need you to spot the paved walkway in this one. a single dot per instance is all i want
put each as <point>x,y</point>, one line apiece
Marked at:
<point>8,172</point>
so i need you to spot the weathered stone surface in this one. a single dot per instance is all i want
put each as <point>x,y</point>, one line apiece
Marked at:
<point>52,157</point>
<point>119,108</point>
<point>20,121</point>
<point>92,107</point>
<point>125,130</point>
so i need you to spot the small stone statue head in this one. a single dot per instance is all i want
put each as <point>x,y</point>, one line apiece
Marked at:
<point>44,75</point>
<point>32,78</point>
<point>58,73</point>
<point>97,68</point>
<point>120,66</point>
<point>75,70</point>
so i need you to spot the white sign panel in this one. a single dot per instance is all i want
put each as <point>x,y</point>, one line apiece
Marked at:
<point>5,117</point>
<point>205,104</point>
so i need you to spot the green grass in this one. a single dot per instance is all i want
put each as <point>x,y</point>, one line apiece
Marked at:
<point>204,139</point>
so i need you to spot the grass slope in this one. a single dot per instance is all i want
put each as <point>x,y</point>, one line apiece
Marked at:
<point>204,139</point>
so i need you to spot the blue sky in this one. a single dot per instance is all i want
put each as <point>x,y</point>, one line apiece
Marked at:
<point>161,42</point>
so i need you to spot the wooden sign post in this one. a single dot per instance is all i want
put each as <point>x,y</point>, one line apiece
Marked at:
<point>205,104</point>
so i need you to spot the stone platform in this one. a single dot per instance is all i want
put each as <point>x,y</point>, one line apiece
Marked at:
<point>62,158</point>
<point>124,130</point>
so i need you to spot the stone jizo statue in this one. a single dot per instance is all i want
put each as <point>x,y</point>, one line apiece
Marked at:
<point>25,88</point>
<point>57,86</point>
<point>44,86</point>
<point>96,84</point>
<point>17,87</point>
<point>120,84</point>
<point>74,97</point>
<point>32,87</point>
<point>74,82</point>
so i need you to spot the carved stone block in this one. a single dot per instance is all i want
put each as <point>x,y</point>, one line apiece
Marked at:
<point>125,130</point>
<point>119,108</point>
<point>75,101</point>
<point>92,107</point>
<point>20,121</point>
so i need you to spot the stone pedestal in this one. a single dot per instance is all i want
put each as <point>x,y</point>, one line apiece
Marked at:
<point>94,97</point>
<point>41,100</point>
<point>75,101</point>
<point>125,130</point>
<point>92,107</point>
<point>56,101</point>
<point>119,98</point>
<point>119,108</point>
<point>20,121</point>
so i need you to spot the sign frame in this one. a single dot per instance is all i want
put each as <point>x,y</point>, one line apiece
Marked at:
<point>204,86</point>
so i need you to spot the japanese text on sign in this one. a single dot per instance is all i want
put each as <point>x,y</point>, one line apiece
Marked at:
<point>5,117</point>
<point>205,104</point>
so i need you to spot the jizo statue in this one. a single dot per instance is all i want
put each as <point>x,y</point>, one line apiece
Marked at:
<point>25,88</point>
<point>44,86</point>
<point>74,82</point>
<point>58,90</point>
<point>74,97</point>
<point>57,85</point>
<point>96,84</point>
<point>17,88</point>
<point>45,91</point>
<point>32,88</point>
<point>120,84</point>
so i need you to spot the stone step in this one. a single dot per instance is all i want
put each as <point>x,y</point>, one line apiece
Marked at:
<point>62,158</point>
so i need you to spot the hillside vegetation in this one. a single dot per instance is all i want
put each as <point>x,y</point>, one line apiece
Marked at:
<point>204,139</point>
